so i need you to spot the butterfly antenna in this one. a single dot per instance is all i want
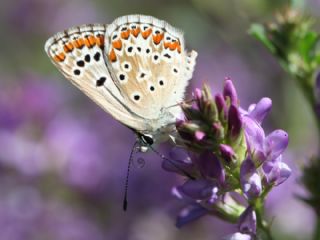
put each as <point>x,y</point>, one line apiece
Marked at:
<point>125,198</point>
<point>171,162</point>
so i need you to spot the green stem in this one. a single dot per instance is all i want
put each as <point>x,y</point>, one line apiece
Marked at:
<point>263,228</point>
<point>308,91</point>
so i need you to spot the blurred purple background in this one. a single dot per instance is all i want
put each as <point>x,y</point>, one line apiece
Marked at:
<point>63,160</point>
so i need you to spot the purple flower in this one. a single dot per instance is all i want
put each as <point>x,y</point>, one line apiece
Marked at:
<point>179,162</point>
<point>276,172</point>
<point>210,166</point>
<point>199,190</point>
<point>199,135</point>
<point>250,179</point>
<point>233,161</point>
<point>189,214</point>
<point>221,104</point>
<point>238,236</point>
<point>227,153</point>
<point>234,122</point>
<point>248,222</point>
<point>247,226</point>
<point>230,91</point>
<point>260,110</point>
<point>262,148</point>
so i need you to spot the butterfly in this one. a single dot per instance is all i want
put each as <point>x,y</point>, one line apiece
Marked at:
<point>136,69</point>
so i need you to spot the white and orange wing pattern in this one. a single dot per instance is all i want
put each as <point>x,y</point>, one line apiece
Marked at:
<point>149,62</point>
<point>78,54</point>
<point>136,68</point>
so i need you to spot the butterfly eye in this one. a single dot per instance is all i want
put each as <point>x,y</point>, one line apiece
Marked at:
<point>147,139</point>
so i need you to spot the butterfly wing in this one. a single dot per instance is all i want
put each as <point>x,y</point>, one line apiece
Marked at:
<point>78,54</point>
<point>149,65</point>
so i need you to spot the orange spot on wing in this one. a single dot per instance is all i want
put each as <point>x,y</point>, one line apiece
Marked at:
<point>179,48</point>
<point>112,56</point>
<point>78,43</point>
<point>135,32</point>
<point>92,40</point>
<point>146,33</point>
<point>59,57</point>
<point>86,42</point>
<point>100,40</point>
<point>89,41</point>
<point>68,47</point>
<point>172,46</point>
<point>157,38</point>
<point>117,44</point>
<point>125,34</point>
<point>166,45</point>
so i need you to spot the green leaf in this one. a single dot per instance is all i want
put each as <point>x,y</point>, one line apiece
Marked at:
<point>258,31</point>
<point>307,46</point>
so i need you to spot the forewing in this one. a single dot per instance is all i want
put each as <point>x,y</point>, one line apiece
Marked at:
<point>78,54</point>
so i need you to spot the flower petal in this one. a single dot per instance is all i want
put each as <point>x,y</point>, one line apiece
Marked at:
<point>250,179</point>
<point>255,136</point>
<point>276,172</point>
<point>189,214</point>
<point>248,221</point>
<point>234,121</point>
<point>238,236</point>
<point>277,142</point>
<point>199,135</point>
<point>260,110</point>
<point>230,91</point>
<point>196,189</point>
<point>227,152</point>
<point>221,104</point>
<point>210,166</point>
<point>178,166</point>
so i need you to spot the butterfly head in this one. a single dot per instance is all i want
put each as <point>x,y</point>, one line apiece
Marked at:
<point>147,139</point>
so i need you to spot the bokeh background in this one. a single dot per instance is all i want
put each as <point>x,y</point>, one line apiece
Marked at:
<point>63,160</point>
